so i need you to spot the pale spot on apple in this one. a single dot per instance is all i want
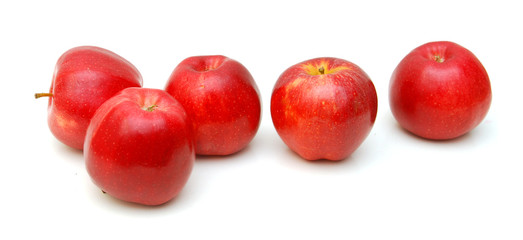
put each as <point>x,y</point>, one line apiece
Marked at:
<point>293,84</point>
<point>288,109</point>
<point>65,123</point>
<point>334,108</point>
<point>329,106</point>
<point>289,113</point>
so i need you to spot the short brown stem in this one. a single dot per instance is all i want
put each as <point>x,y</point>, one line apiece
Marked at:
<point>39,95</point>
<point>151,108</point>
<point>321,70</point>
<point>439,58</point>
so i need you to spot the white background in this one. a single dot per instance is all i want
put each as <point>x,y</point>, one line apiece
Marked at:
<point>395,186</point>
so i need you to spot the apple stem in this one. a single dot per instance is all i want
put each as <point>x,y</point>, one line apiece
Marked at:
<point>151,108</point>
<point>322,70</point>
<point>439,58</point>
<point>39,95</point>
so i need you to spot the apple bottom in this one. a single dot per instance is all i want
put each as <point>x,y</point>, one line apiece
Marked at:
<point>146,185</point>
<point>224,138</point>
<point>439,123</point>
<point>316,139</point>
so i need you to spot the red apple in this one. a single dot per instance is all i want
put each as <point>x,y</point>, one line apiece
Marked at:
<point>139,146</point>
<point>84,78</point>
<point>324,108</point>
<point>440,90</point>
<point>222,101</point>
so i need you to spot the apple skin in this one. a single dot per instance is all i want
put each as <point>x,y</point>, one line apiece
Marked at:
<point>84,78</point>
<point>222,100</point>
<point>324,108</point>
<point>440,90</point>
<point>139,147</point>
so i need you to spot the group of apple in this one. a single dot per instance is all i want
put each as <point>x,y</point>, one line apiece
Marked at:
<point>140,144</point>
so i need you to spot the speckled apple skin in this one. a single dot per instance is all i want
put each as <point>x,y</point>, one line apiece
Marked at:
<point>140,155</point>
<point>84,78</point>
<point>222,101</point>
<point>324,114</point>
<point>440,91</point>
